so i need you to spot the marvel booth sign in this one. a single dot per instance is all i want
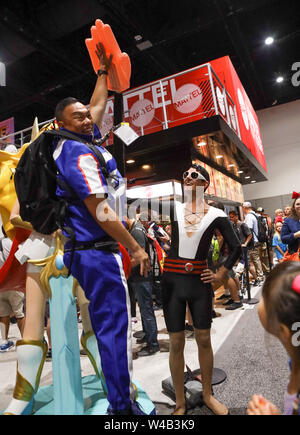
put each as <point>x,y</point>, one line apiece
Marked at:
<point>190,96</point>
<point>248,122</point>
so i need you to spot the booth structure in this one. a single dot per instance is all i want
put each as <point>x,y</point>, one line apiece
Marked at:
<point>202,114</point>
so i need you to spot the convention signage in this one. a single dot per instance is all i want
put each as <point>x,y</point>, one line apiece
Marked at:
<point>190,96</point>
<point>247,118</point>
<point>160,105</point>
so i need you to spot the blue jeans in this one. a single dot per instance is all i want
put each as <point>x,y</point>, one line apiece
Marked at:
<point>143,292</point>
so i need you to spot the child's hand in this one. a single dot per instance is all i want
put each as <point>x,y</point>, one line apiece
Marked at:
<point>261,406</point>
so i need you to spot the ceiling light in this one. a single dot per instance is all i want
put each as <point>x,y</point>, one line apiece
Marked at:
<point>231,166</point>
<point>253,181</point>
<point>130,161</point>
<point>269,40</point>
<point>146,166</point>
<point>201,144</point>
<point>248,177</point>
<point>279,79</point>
<point>219,157</point>
<point>138,37</point>
<point>240,172</point>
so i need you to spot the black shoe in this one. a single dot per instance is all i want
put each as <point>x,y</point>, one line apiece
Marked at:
<point>139,334</point>
<point>49,353</point>
<point>141,340</point>
<point>234,306</point>
<point>148,350</point>
<point>229,302</point>
<point>223,297</point>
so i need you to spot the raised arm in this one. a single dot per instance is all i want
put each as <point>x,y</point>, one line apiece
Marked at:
<point>100,94</point>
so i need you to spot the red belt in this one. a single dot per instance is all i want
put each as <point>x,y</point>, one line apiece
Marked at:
<point>189,267</point>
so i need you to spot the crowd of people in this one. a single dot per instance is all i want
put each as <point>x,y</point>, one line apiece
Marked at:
<point>203,250</point>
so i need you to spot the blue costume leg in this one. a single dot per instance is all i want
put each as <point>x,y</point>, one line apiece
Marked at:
<point>101,276</point>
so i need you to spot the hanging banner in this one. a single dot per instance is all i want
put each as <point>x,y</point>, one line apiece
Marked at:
<point>247,118</point>
<point>7,127</point>
<point>176,100</point>
<point>191,96</point>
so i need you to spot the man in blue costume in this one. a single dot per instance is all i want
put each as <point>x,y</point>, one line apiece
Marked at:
<point>96,262</point>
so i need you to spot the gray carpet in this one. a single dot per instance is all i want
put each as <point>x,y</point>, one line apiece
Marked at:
<point>255,363</point>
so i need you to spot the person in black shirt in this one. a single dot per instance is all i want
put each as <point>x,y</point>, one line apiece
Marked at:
<point>142,286</point>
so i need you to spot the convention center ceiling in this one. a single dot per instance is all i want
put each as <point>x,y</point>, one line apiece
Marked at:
<point>42,45</point>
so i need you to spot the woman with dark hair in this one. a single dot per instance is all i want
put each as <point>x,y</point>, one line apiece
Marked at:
<point>290,233</point>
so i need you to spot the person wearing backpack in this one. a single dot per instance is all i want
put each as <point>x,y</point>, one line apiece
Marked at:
<point>266,257</point>
<point>93,256</point>
<point>245,236</point>
<point>251,221</point>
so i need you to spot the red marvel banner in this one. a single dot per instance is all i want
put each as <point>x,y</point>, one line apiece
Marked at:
<point>247,118</point>
<point>175,100</point>
<point>189,96</point>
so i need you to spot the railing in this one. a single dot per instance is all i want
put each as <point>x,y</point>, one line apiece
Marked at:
<point>185,97</point>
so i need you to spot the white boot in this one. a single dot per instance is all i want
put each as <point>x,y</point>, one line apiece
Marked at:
<point>31,356</point>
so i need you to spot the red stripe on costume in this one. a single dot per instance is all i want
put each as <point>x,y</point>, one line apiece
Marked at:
<point>194,272</point>
<point>194,262</point>
<point>82,170</point>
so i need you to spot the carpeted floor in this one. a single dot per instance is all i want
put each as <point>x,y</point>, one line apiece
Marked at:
<point>255,363</point>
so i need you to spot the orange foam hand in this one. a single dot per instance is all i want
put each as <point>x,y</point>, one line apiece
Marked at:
<point>120,71</point>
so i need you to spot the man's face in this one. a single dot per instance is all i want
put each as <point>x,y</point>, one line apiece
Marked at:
<point>77,118</point>
<point>189,180</point>
<point>233,218</point>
